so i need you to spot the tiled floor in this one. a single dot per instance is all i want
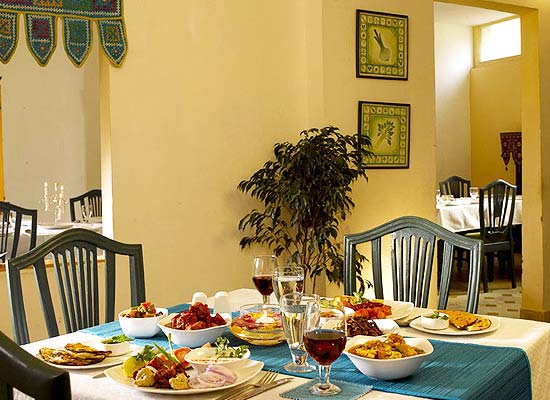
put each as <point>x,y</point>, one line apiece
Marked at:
<point>501,300</point>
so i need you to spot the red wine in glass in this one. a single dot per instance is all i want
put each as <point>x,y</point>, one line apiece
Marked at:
<point>325,345</point>
<point>264,284</point>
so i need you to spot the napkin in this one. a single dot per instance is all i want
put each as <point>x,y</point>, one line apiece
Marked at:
<point>350,391</point>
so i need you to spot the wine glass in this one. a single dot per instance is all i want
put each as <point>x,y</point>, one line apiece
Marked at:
<point>294,317</point>
<point>474,193</point>
<point>324,342</point>
<point>288,279</point>
<point>263,275</point>
<point>437,196</point>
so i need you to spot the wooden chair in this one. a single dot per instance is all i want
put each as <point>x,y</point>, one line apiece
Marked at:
<point>455,186</point>
<point>11,217</point>
<point>90,200</point>
<point>75,261</point>
<point>413,242</point>
<point>21,370</point>
<point>497,202</point>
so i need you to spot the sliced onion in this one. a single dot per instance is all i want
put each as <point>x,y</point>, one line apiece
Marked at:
<point>225,372</point>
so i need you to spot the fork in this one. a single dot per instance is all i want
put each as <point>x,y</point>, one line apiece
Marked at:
<point>268,377</point>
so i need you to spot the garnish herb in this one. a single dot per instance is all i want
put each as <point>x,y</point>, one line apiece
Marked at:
<point>117,339</point>
<point>168,356</point>
<point>223,350</point>
<point>438,315</point>
<point>146,355</point>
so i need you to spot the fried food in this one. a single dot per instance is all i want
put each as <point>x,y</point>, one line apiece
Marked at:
<point>361,325</point>
<point>460,319</point>
<point>73,358</point>
<point>393,347</point>
<point>480,324</point>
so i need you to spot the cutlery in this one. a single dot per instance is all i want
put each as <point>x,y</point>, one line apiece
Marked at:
<point>404,322</point>
<point>253,391</point>
<point>267,378</point>
<point>100,375</point>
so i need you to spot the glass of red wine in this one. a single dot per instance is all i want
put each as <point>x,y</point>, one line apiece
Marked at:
<point>325,342</point>
<point>263,275</point>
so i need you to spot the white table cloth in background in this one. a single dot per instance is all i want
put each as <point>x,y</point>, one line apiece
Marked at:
<point>531,336</point>
<point>463,214</point>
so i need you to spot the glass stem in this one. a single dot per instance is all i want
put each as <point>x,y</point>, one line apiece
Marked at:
<point>266,299</point>
<point>324,373</point>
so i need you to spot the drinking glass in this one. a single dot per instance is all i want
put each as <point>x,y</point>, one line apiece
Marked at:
<point>86,213</point>
<point>288,279</point>
<point>294,317</point>
<point>474,193</point>
<point>324,342</point>
<point>263,275</point>
<point>437,196</point>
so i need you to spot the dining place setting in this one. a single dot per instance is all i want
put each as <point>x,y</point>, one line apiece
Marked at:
<point>298,345</point>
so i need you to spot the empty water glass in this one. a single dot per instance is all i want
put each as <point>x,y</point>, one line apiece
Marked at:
<point>474,193</point>
<point>86,213</point>
<point>437,196</point>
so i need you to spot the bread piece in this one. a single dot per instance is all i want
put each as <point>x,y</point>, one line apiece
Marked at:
<point>480,324</point>
<point>460,319</point>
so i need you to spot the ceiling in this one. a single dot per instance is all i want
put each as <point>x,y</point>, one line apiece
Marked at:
<point>447,13</point>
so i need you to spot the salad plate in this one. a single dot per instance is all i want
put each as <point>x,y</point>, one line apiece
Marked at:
<point>452,331</point>
<point>245,372</point>
<point>399,309</point>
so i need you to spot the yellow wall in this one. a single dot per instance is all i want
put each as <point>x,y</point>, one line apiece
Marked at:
<point>495,91</point>
<point>193,115</point>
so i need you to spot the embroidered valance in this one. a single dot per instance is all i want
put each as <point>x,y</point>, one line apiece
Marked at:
<point>76,15</point>
<point>510,143</point>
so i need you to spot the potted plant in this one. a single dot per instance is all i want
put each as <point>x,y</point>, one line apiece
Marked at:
<point>305,193</point>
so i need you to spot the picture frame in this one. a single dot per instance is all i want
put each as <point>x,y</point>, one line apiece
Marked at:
<point>387,125</point>
<point>382,45</point>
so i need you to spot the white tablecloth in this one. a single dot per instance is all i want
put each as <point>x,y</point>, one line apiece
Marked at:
<point>463,215</point>
<point>531,336</point>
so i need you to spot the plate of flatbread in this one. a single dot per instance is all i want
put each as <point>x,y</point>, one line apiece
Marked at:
<point>462,323</point>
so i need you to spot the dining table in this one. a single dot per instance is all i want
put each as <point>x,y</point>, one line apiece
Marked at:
<point>462,214</point>
<point>516,353</point>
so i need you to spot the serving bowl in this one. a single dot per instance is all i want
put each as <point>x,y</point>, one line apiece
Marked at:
<point>259,325</point>
<point>435,321</point>
<point>116,349</point>
<point>201,357</point>
<point>141,327</point>
<point>388,369</point>
<point>190,338</point>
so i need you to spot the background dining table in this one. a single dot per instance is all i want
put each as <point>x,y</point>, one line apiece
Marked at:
<point>459,215</point>
<point>531,336</point>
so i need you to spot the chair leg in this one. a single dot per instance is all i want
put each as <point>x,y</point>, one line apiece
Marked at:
<point>490,266</point>
<point>484,273</point>
<point>512,268</point>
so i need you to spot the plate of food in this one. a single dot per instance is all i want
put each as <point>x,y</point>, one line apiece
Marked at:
<point>359,325</point>
<point>461,323</point>
<point>165,373</point>
<point>377,309</point>
<point>82,356</point>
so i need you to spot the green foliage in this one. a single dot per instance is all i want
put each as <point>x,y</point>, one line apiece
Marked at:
<point>305,192</point>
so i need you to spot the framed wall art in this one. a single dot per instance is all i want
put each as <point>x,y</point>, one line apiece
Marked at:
<point>387,125</point>
<point>382,45</point>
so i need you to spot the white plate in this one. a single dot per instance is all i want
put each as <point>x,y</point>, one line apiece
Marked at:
<point>107,362</point>
<point>248,371</point>
<point>387,326</point>
<point>57,226</point>
<point>452,331</point>
<point>399,309</point>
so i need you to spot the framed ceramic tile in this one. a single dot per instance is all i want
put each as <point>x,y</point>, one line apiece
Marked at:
<point>382,45</point>
<point>387,125</point>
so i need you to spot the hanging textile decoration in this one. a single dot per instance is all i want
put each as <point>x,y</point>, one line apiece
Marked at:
<point>77,15</point>
<point>510,143</point>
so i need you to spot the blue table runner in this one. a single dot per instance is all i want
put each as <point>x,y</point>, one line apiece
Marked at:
<point>454,371</point>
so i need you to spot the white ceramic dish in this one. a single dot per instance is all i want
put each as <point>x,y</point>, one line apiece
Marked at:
<point>399,309</point>
<point>201,357</point>
<point>191,338</point>
<point>429,321</point>
<point>452,331</point>
<point>387,326</point>
<point>107,362</point>
<point>116,349</point>
<point>141,327</point>
<point>63,225</point>
<point>389,369</point>
<point>246,372</point>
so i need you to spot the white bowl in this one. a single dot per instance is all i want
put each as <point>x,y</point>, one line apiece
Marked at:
<point>434,323</point>
<point>141,327</point>
<point>116,349</point>
<point>201,357</point>
<point>194,338</point>
<point>392,368</point>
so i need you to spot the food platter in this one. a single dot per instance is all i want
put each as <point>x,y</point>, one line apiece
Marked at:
<point>452,331</point>
<point>246,372</point>
<point>107,362</point>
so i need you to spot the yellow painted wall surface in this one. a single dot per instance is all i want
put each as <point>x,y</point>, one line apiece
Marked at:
<point>495,91</point>
<point>192,116</point>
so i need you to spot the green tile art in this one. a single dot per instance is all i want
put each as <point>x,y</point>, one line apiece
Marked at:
<point>382,45</point>
<point>388,126</point>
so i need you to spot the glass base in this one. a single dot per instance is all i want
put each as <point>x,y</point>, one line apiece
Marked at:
<point>325,390</point>
<point>299,368</point>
